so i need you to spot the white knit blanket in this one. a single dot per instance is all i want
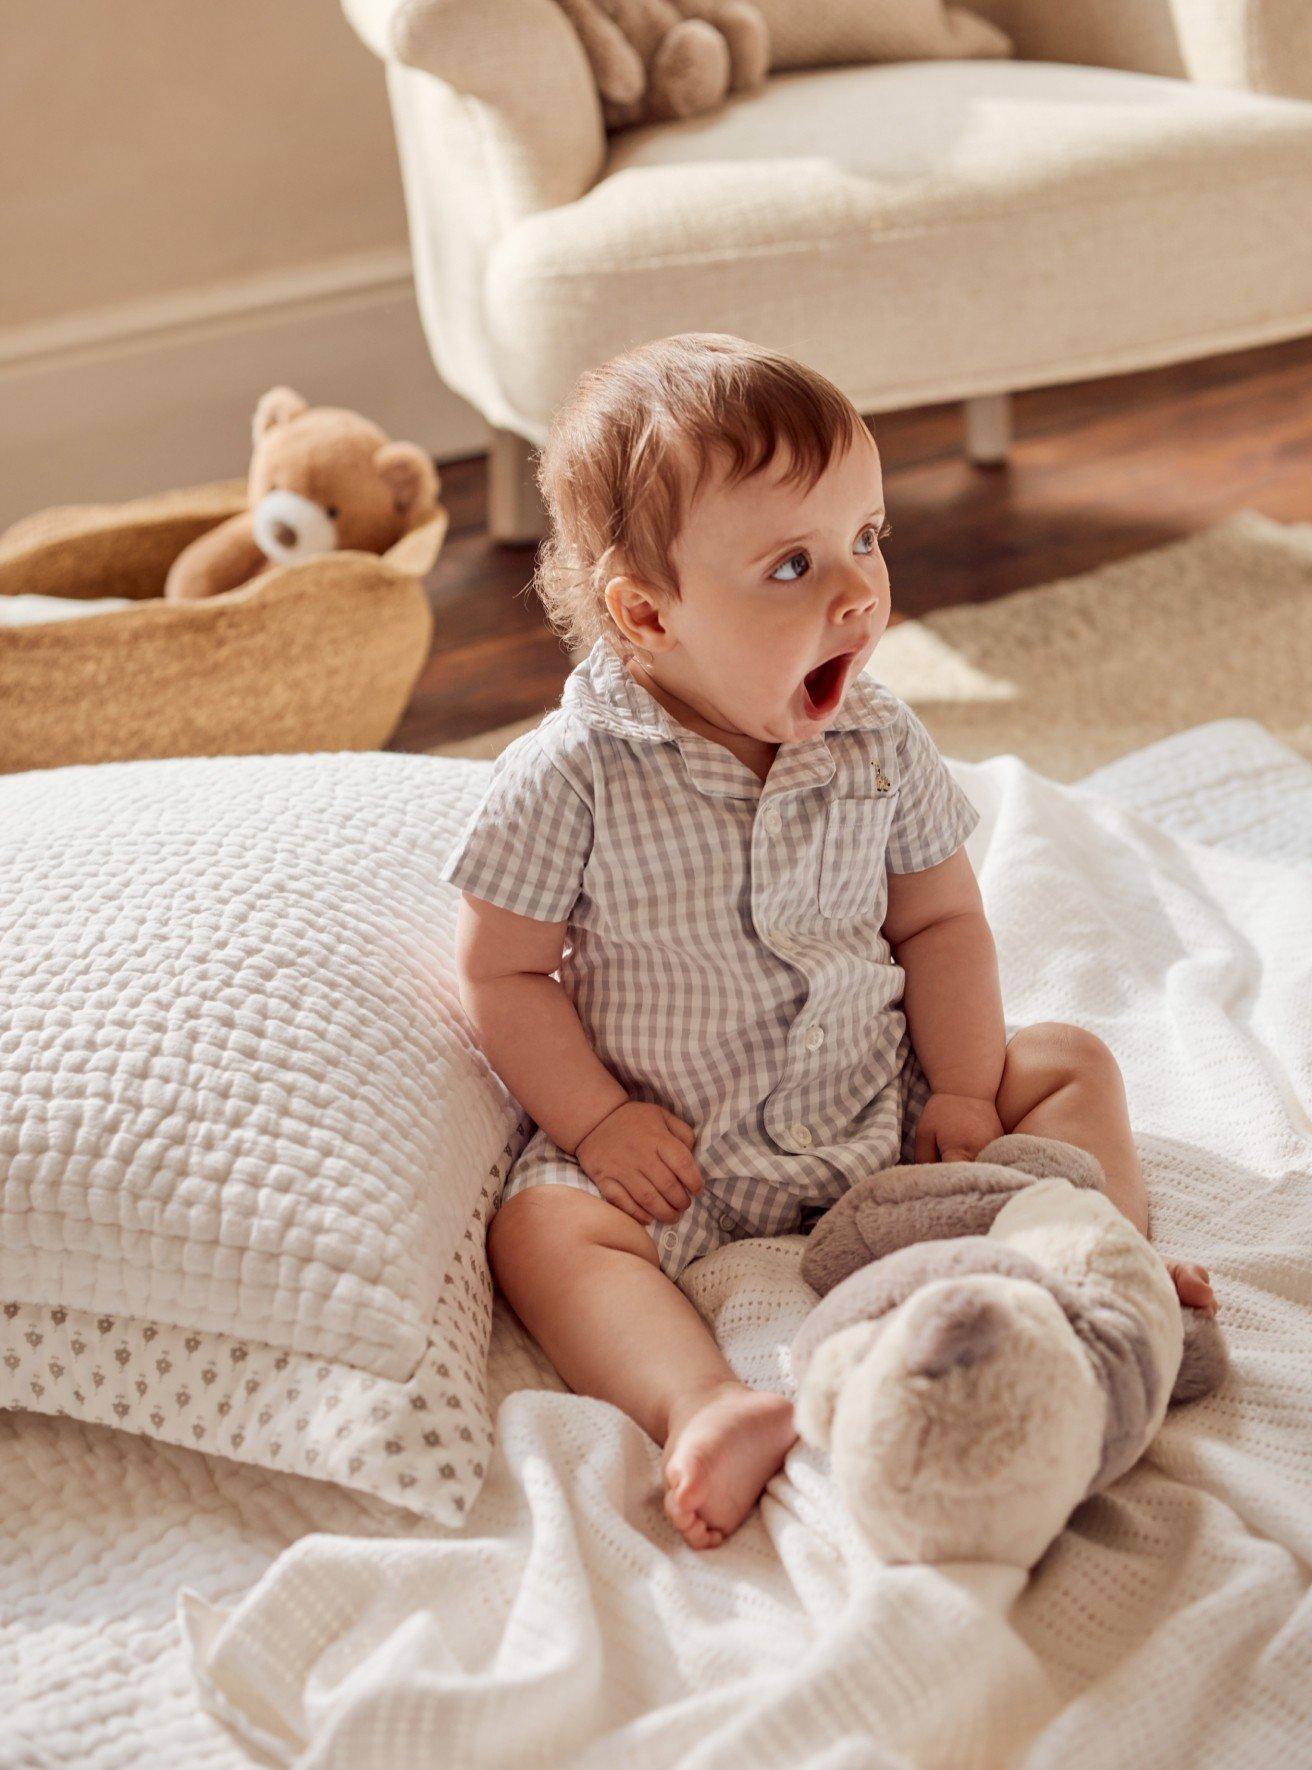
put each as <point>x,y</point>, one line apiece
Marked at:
<point>1170,1625</point>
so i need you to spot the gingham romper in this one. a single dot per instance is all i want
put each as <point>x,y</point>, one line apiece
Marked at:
<point>724,950</point>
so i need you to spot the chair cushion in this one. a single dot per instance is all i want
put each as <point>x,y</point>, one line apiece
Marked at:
<point>247,1141</point>
<point>926,231</point>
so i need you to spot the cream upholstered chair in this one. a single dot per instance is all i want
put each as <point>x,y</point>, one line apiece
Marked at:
<point>922,231</point>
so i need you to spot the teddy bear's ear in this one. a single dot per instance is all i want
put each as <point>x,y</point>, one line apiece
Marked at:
<point>276,407</point>
<point>410,474</point>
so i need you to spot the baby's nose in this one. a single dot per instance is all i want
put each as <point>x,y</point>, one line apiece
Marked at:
<point>856,595</point>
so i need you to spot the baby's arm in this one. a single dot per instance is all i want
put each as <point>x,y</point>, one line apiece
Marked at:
<point>526,1024</point>
<point>639,1157</point>
<point>952,997</point>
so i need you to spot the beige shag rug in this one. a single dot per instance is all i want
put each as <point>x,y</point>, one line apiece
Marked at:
<point>1069,675</point>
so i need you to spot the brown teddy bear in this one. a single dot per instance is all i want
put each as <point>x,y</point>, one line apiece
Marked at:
<point>654,60</point>
<point>320,479</point>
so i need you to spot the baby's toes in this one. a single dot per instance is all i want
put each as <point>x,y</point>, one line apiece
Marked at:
<point>691,1526</point>
<point>1192,1287</point>
<point>699,1535</point>
<point>694,1530</point>
<point>678,1515</point>
<point>687,1477</point>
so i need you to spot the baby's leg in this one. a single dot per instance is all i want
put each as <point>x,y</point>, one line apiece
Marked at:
<point>583,1278</point>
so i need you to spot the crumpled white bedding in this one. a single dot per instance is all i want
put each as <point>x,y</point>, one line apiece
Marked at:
<point>1170,1625</point>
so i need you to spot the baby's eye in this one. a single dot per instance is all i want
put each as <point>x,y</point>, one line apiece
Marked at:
<point>878,534</point>
<point>791,560</point>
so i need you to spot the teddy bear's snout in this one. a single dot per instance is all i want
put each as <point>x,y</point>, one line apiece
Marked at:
<point>288,527</point>
<point>957,1330</point>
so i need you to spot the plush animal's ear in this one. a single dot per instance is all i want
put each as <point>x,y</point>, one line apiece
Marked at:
<point>277,406</point>
<point>828,1368</point>
<point>410,474</point>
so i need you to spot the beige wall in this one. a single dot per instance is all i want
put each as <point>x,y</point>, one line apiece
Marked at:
<point>198,199</point>
<point>152,145</point>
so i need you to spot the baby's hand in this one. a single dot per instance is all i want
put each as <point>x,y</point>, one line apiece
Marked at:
<point>639,1157</point>
<point>955,1127</point>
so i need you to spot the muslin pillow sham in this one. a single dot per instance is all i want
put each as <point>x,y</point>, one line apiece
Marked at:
<point>830,33</point>
<point>247,1142</point>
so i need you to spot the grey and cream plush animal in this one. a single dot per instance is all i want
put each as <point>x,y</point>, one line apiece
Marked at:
<point>996,1343</point>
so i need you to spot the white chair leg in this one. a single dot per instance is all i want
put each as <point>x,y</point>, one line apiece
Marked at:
<point>988,428</point>
<point>515,511</point>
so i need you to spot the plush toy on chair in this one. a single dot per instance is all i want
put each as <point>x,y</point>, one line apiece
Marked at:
<point>997,1343</point>
<point>321,479</point>
<point>654,60</point>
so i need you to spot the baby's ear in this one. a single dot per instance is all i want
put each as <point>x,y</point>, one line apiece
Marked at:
<point>636,610</point>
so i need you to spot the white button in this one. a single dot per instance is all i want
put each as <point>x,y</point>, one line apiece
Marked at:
<point>725,1220</point>
<point>772,821</point>
<point>813,1037</point>
<point>668,1239</point>
<point>800,1134</point>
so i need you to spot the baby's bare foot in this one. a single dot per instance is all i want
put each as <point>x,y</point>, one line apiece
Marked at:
<point>723,1446</point>
<point>1192,1285</point>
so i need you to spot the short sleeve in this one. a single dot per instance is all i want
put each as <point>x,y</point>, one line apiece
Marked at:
<point>525,847</point>
<point>934,816</point>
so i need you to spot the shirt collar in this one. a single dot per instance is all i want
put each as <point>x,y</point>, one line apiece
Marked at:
<point>601,692</point>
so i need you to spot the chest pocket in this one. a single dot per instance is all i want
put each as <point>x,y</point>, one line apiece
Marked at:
<point>852,860</point>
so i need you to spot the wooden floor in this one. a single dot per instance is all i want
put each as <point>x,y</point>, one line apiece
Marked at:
<point>1099,470</point>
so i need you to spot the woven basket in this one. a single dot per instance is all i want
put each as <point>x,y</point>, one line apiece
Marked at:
<point>321,655</point>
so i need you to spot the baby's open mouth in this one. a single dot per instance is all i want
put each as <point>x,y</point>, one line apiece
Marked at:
<point>823,686</point>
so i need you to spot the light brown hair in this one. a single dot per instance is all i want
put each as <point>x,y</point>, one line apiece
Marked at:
<point>630,449</point>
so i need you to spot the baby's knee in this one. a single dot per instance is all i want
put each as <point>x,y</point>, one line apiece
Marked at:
<point>556,1223</point>
<point>1064,1053</point>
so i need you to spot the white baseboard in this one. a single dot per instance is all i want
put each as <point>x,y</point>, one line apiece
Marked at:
<point>122,401</point>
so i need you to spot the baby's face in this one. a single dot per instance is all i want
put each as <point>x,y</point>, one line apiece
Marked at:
<point>783,597</point>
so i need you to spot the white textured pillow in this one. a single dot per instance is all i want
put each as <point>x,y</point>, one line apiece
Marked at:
<point>247,1142</point>
<point>830,33</point>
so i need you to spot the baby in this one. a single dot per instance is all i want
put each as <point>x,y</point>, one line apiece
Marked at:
<point>718,932</point>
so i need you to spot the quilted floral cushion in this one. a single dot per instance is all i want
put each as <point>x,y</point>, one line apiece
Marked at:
<point>248,1145</point>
